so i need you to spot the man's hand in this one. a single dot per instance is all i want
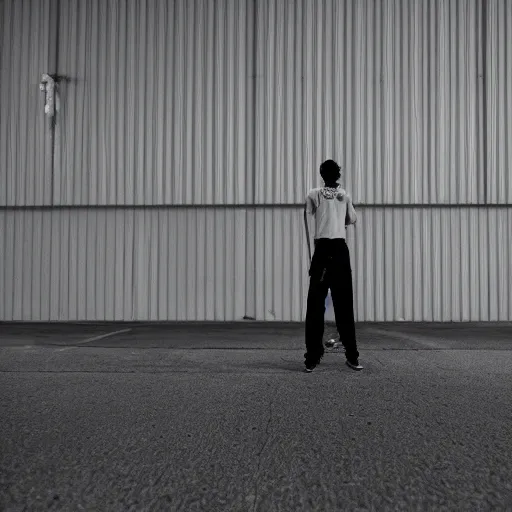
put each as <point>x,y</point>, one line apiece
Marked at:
<point>344,196</point>
<point>351,217</point>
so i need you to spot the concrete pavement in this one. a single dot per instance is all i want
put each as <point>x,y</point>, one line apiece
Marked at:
<point>221,417</point>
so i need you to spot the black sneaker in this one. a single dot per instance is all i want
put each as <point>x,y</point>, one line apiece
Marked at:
<point>314,359</point>
<point>309,368</point>
<point>354,365</point>
<point>310,363</point>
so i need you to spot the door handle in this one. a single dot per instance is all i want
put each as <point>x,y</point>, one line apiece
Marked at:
<point>48,85</point>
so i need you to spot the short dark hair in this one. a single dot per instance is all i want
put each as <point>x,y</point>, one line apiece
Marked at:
<point>330,171</point>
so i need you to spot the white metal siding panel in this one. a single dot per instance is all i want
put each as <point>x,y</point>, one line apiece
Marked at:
<point>25,170</point>
<point>158,109</point>
<point>440,264</point>
<point>280,271</point>
<point>412,264</point>
<point>159,105</point>
<point>499,101</point>
<point>122,264</point>
<point>387,88</point>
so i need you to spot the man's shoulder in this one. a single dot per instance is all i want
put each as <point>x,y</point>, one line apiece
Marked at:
<point>314,191</point>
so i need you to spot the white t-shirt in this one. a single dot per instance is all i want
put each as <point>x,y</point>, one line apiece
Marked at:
<point>330,207</point>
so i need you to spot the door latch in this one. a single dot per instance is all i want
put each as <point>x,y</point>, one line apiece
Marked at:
<point>48,85</point>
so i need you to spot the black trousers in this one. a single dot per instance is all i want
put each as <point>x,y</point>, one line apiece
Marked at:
<point>330,269</point>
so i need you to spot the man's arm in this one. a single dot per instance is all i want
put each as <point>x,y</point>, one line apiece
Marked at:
<point>306,225</point>
<point>350,217</point>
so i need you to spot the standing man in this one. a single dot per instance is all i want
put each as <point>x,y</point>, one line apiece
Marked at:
<point>330,268</point>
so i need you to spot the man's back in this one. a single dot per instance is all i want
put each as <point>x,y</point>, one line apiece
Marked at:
<point>332,209</point>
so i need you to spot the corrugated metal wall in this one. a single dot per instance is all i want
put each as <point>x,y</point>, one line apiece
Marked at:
<point>122,264</point>
<point>159,106</point>
<point>25,54</point>
<point>387,88</point>
<point>442,264</point>
<point>200,103</point>
<point>499,102</point>
<point>165,101</point>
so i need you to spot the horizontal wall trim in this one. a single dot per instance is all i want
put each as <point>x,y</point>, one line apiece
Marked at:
<point>253,323</point>
<point>239,206</point>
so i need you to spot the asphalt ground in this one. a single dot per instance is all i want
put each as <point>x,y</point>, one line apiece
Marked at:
<point>221,417</point>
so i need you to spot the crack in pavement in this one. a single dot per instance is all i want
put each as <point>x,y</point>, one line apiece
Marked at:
<point>267,437</point>
<point>407,390</point>
<point>378,360</point>
<point>157,481</point>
